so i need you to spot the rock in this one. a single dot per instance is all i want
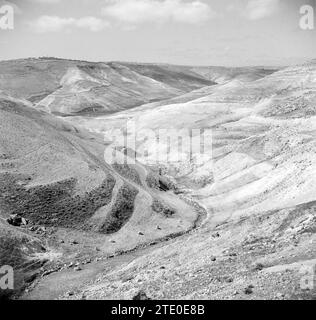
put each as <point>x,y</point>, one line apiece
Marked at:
<point>74,242</point>
<point>70,293</point>
<point>249,289</point>
<point>213,258</point>
<point>140,233</point>
<point>141,295</point>
<point>16,221</point>
<point>78,268</point>
<point>228,279</point>
<point>128,278</point>
<point>280,295</point>
<point>258,266</point>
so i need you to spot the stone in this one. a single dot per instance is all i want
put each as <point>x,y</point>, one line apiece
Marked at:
<point>15,220</point>
<point>141,295</point>
<point>249,289</point>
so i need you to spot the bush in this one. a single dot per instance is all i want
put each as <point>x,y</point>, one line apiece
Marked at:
<point>54,204</point>
<point>121,211</point>
<point>159,207</point>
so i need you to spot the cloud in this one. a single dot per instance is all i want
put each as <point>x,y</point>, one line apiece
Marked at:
<point>56,24</point>
<point>92,23</point>
<point>259,9</point>
<point>155,11</point>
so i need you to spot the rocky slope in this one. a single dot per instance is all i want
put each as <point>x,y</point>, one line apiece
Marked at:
<point>242,222</point>
<point>258,239</point>
<point>65,201</point>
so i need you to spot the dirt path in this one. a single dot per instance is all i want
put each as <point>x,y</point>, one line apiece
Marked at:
<point>57,284</point>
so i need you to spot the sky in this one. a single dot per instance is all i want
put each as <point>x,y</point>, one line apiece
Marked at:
<point>186,32</point>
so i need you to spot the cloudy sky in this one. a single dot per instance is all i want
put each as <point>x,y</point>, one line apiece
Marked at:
<point>196,32</point>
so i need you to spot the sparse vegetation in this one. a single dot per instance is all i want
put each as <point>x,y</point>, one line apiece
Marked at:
<point>127,172</point>
<point>159,206</point>
<point>55,204</point>
<point>121,211</point>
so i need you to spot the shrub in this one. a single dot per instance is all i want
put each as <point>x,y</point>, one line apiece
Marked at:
<point>121,211</point>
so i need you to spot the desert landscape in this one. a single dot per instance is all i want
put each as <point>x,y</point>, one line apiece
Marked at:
<point>76,225</point>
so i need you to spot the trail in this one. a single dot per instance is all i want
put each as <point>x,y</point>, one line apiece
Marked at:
<point>57,284</point>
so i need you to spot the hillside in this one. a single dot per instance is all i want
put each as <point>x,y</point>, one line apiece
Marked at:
<point>77,87</point>
<point>259,192</point>
<point>76,205</point>
<point>238,223</point>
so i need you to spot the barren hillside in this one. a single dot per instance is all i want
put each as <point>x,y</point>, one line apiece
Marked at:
<point>240,225</point>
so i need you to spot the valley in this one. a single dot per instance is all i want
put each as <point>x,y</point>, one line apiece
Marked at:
<point>240,225</point>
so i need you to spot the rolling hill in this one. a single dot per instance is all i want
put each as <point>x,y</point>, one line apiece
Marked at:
<point>240,225</point>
